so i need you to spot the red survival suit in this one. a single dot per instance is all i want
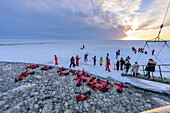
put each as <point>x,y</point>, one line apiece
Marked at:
<point>77,60</point>
<point>153,52</point>
<point>56,60</point>
<point>107,65</point>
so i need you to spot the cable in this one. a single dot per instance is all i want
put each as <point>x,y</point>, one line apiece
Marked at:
<point>159,51</point>
<point>162,24</point>
<point>167,45</point>
<point>158,59</point>
<point>165,14</point>
<point>141,52</point>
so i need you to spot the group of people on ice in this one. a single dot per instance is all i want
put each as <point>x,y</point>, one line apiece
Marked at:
<point>120,64</point>
<point>73,63</point>
<point>141,50</point>
<point>123,63</point>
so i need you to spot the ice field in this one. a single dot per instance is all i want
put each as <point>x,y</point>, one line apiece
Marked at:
<point>43,51</point>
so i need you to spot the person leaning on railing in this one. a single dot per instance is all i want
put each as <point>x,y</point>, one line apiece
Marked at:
<point>150,67</point>
<point>135,69</point>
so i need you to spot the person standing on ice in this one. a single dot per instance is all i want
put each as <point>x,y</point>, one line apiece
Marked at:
<point>122,62</point>
<point>117,53</point>
<point>117,64</point>
<point>56,60</point>
<point>127,66</point>
<point>107,57</point>
<point>150,67</point>
<point>153,51</point>
<point>135,69</point>
<point>101,61</point>
<point>85,57</point>
<point>94,60</point>
<point>72,62</point>
<point>127,58</point>
<point>77,60</point>
<point>107,65</point>
<point>142,50</point>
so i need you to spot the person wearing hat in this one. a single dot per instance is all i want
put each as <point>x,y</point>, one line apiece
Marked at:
<point>150,67</point>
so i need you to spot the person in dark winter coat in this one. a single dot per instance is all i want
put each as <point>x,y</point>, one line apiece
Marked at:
<point>117,64</point>
<point>72,62</point>
<point>150,67</point>
<point>107,57</point>
<point>134,50</point>
<point>122,62</point>
<point>127,66</point>
<point>94,60</point>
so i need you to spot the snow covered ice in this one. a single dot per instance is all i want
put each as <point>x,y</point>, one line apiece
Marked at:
<point>47,92</point>
<point>43,51</point>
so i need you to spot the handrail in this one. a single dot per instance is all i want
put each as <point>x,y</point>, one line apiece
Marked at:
<point>158,65</point>
<point>158,71</point>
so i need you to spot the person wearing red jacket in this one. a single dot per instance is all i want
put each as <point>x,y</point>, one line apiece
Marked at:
<point>77,60</point>
<point>107,65</point>
<point>56,60</point>
<point>153,51</point>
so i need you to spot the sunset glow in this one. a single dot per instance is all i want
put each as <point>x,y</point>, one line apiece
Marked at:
<point>84,19</point>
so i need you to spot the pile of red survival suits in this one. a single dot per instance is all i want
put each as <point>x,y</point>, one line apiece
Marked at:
<point>25,74</point>
<point>95,84</point>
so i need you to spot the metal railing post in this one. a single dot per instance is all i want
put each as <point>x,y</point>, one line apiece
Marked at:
<point>143,70</point>
<point>160,72</point>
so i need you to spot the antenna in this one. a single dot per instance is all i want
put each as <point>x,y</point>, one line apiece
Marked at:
<point>158,38</point>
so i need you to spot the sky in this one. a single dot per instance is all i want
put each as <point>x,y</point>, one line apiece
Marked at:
<point>84,19</point>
